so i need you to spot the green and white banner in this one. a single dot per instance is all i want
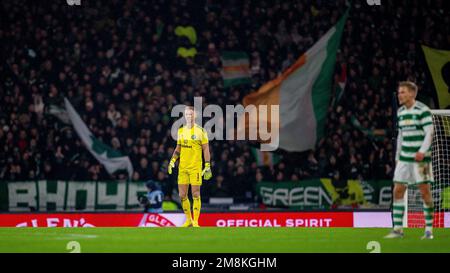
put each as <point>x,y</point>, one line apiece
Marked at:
<point>70,195</point>
<point>323,194</point>
<point>58,195</point>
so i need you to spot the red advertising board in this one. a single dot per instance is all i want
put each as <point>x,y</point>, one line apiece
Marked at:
<point>227,219</point>
<point>91,220</point>
<point>417,219</point>
<point>278,219</point>
<point>257,219</point>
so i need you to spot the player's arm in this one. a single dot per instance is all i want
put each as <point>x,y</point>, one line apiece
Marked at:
<point>427,123</point>
<point>206,173</point>
<point>426,144</point>
<point>176,153</point>
<point>175,156</point>
<point>399,146</point>
<point>207,156</point>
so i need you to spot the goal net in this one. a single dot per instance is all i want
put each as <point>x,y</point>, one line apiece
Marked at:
<point>440,157</point>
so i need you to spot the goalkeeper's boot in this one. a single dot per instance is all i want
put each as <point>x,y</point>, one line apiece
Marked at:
<point>188,223</point>
<point>195,224</point>
<point>394,234</point>
<point>428,235</point>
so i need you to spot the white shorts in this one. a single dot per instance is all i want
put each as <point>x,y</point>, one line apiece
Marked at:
<point>412,173</point>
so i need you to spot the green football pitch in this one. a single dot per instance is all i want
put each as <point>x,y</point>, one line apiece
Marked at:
<point>219,240</point>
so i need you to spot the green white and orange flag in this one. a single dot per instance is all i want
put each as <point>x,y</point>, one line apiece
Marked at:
<point>265,158</point>
<point>235,68</point>
<point>303,94</point>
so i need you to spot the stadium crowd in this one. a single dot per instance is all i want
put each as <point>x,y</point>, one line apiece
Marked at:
<point>117,62</point>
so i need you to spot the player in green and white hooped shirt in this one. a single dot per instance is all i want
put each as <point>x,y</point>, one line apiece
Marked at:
<point>413,157</point>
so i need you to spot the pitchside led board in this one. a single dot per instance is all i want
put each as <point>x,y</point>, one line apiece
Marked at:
<point>231,219</point>
<point>314,194</point>
<point>82,198</point>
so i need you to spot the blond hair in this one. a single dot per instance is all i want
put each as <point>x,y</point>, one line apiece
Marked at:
<point>410,85</point>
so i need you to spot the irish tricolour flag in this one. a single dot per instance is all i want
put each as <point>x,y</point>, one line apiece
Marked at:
<point>264,158</point>
<point>302,93</point>
<point>235,68</point>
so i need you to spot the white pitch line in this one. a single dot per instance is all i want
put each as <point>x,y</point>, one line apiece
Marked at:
<point>66,236</point>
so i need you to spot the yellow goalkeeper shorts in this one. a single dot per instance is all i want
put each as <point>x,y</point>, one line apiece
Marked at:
<point>193,177</point>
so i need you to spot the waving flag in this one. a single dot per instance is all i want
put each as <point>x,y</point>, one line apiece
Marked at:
<point>439,65</point>
<point>265,158</point>
<point>111,159</point>
<point>303,93</point>
<point>235,68</point>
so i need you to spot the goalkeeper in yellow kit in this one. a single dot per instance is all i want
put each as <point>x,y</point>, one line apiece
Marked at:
<point>192,141</point>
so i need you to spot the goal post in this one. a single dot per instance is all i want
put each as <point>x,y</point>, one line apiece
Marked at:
<point>440,188</point>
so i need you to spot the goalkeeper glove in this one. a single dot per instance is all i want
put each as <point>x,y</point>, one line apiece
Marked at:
<point>171,165</point>
<point>206,173</point>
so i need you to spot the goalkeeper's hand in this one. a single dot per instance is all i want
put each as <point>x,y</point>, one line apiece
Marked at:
<point>206,173</point>
<point>171,165</point>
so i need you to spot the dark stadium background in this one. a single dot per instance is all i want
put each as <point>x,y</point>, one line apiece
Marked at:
<point>116,61</point>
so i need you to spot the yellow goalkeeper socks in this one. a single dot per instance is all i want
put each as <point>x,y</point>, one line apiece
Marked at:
<point>197,206</point>
<point>186,205</point>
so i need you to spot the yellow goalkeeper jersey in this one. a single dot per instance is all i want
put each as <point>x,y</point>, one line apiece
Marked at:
<point>191,141</point>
